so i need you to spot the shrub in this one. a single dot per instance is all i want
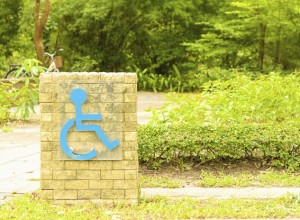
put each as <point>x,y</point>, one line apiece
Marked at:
<point>174,82</point>
<point>234,119</point>
<point>185,82</point>
<point>274,145</point>
<point>23,98</point>
<point>268,99</point>
<point>7,100</point>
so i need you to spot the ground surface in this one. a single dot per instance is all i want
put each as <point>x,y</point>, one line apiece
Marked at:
<point>191,175</point>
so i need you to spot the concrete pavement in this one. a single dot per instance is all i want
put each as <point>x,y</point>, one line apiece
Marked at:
<point>19,163</point>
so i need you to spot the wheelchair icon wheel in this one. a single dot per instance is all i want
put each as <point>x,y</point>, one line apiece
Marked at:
<point>67,149</point>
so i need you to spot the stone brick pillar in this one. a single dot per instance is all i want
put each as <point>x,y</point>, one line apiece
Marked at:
<point>111,176</point>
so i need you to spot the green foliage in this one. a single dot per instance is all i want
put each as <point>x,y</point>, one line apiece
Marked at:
<point>21,93</point>
<point>9,15</point>
<point>234,119</point>
<point>251,35</point>
<point>268,99</point>
<point>158,83</point>
<point>119,35</point>
<point>27,97</point>
<point>23,99</point>
<point>82,64</point>
<point>180,82</point>
<point>7,100</point>
<point>274,145</point>
<point>279,179</point>
<point>32,68</point>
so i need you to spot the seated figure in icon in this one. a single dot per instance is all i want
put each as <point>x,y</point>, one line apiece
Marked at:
<point>78,97</point>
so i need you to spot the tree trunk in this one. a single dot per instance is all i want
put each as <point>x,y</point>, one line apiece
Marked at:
<point>261,50</point>
<point>278,47</point>
<point>39,27</point>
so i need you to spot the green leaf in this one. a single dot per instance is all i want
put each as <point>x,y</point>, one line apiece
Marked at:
<point>33,97</point>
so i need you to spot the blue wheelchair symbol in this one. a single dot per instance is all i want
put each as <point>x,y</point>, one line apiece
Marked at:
<point>78,97</point>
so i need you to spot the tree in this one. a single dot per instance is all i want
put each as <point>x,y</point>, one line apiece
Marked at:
<point>39,27</point>
<point>119,35</point>
<point>9,17</point>
<point>257,35</point>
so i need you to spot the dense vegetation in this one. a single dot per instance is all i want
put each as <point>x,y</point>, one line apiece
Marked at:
<point>162,37</point>
<point>268,99</point>
<point>230,120</point>
<point>180,145</point>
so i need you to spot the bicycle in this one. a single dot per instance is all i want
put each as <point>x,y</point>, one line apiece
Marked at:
<point>15,67</point>
<point>12,69</point>
<point>53,67</point>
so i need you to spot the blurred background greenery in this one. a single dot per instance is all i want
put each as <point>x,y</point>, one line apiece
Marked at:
<point>174,45</point>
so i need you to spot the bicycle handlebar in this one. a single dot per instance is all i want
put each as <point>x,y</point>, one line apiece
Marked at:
<point>56,50</point>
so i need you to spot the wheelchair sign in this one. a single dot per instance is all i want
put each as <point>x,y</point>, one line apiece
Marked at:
<point>78,97</point>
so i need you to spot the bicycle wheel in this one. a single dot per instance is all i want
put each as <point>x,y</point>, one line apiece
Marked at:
<point>11,74</point>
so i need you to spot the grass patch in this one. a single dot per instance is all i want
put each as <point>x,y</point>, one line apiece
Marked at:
<point>6,128</point>
<point>32,207</point>
<point>279,179</point>
<point>268,178</point>
<point>222,180</point>
<point>165,182</point>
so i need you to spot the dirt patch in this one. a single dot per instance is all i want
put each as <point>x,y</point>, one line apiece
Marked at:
<point>191,174</point>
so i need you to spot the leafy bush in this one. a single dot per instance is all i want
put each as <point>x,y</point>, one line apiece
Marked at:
<point>7,100</point>
<point>27,97</point>
<point>23,98</point>
<point>268,99</point>
<point>158,83</point>
<point>188,82</point>
<point>234,119</point>
<point>174,82</point>
<point>274,145</point>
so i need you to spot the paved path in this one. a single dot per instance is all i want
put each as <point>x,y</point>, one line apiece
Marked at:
<point>20,164</point>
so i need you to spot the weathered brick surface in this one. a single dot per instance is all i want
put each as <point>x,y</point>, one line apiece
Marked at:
<point>64,174</point>
<point>111,176</point>
<point>101,184</point>
<point>76,184</point>
<point>88,174</point>
<point>114,193</point>
<point>131,174</point>
<point>89,194</point>
<point>65,194</point>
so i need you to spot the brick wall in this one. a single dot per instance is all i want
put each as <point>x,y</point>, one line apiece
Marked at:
<point>111,175</point>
